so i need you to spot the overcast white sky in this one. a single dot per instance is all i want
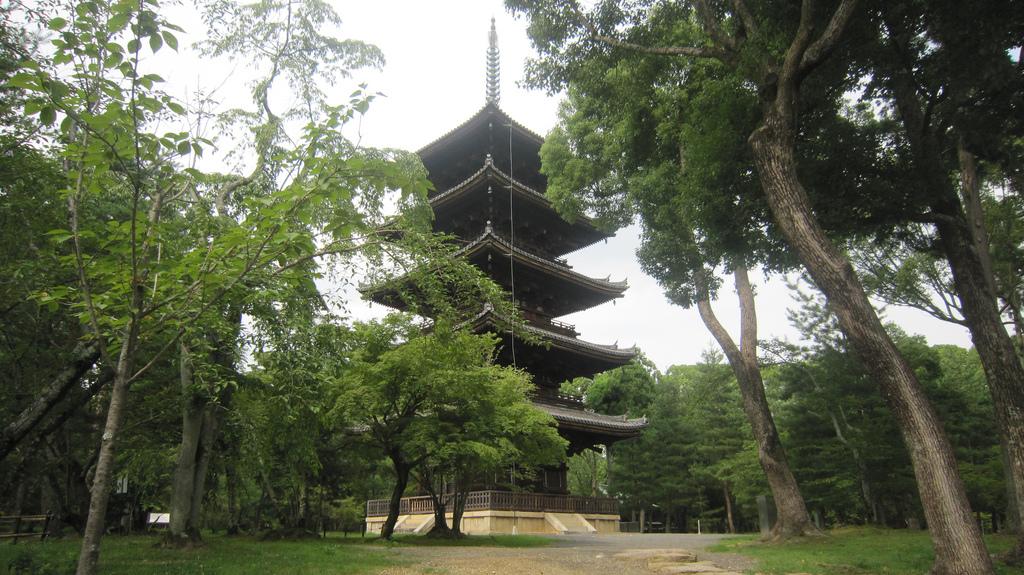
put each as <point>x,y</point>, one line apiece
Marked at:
<point>434,80</point>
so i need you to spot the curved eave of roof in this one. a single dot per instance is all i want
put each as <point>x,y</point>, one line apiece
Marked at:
<point>488,108</point>
<point>489,238</point>
<point>612,425</point>
<point>611,352</point>
<point>525,190</point>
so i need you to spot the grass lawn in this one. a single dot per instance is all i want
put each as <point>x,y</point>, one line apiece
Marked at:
<point>235,555</point>
<point>854,551</point>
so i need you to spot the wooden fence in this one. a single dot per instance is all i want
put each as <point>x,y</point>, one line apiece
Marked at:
<point>505,501</point>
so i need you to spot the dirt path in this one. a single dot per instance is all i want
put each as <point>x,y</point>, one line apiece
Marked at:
<point>568,555</point>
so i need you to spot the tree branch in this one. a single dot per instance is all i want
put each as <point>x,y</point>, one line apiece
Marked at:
<point>707,315</point>
<point>710,26</point>
<point>745,15</point>
<point>748,315</point>
<point>828,39</point>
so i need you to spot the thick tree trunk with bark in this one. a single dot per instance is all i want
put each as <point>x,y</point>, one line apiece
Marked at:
<point>959,220</point>
<point>83,358</point>
<point>793,519</point>
<point>956,537</point>
<point>198,438</point>
<point>394,506</point>
<point>1002,366</point>
<point>964,241</point>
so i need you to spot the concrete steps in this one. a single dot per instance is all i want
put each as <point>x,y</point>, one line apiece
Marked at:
<point>569,523</point>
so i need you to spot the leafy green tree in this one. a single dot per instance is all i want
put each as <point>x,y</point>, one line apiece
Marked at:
<point>919,52</point>
<point>781,58</point>
<point>146,277</point>
<point>629,389</point>
<point>844,439</point>
<point>438,398</point>
<point>588,473</point>
<point>488,426</point>
<point>692,460</point>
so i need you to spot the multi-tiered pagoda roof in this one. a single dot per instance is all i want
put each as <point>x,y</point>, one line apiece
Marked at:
<point>489,195</point>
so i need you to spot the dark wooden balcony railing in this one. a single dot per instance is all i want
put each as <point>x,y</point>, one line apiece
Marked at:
<point>505,501</point>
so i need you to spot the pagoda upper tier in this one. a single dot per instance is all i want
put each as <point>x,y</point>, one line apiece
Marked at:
<point>455,156</point>
<point>545,289</point>
<point>465,209</point>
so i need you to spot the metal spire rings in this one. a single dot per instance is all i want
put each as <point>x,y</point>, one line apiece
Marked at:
<point>493,67</point>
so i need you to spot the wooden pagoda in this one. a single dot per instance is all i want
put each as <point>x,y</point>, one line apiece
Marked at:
<point>489,194</point>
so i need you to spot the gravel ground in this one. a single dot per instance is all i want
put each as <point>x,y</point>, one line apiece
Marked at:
<point>568,555</point>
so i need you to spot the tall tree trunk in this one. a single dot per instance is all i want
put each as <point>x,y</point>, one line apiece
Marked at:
<point>207,438</point>
<point>964,241</point>
<point>199,434</point>
<point>183,483</point>
<point>231,478</point>
<point>956,537</point>
<point>395,505</point>
<point>728,507</point>
<point>102,482</point>
<point>83,358</point>
<point>1003,370</point>
<point>793,519</point>
<point>1011,522</point>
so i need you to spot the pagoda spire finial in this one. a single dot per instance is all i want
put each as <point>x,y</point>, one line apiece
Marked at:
<point>493,67</point>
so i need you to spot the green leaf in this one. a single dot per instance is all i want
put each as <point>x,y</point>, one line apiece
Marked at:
<point>59,236</point>
<point>113,60</point>
<point>48,115</point>
<point>24,81</point>
<point>155,43</point>
<point>184,147</point>
<point>118,21</point>
<point>170,39</point>
<point>56,24</point>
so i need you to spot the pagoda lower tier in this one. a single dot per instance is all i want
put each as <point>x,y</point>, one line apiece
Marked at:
<point>584,428</point>
<point>552,357</point>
